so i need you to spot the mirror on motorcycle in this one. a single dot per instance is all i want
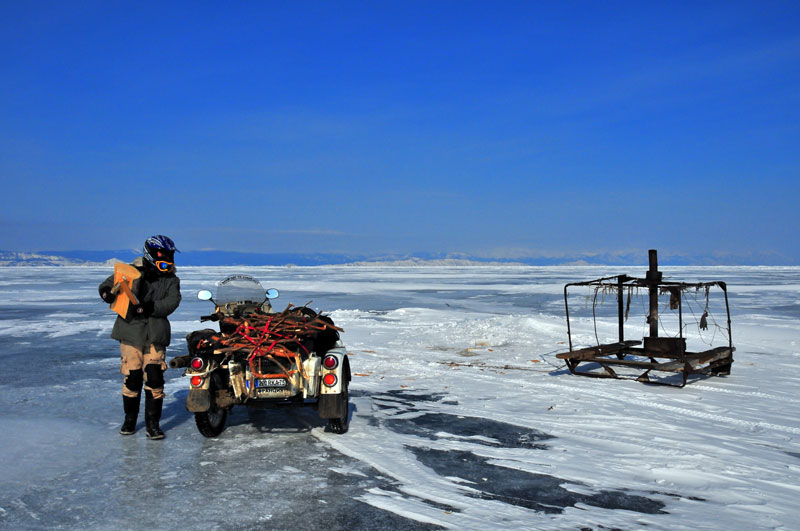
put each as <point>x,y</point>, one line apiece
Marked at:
<point>204,295</point>
<point>272,293</point>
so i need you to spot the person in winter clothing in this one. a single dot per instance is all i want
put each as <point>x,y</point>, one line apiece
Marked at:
<point>145,333</point>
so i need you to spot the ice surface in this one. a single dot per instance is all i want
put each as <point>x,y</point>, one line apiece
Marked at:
<point>462,417</point>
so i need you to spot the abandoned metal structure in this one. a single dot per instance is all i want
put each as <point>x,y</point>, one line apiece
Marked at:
<point>658,354</point>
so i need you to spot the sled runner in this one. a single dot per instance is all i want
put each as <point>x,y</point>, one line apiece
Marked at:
<point>124,275</point>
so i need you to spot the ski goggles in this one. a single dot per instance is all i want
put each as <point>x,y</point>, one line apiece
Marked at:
<point>164,266</point>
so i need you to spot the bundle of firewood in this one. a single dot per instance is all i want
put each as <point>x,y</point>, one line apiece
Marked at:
<point>292,332</point>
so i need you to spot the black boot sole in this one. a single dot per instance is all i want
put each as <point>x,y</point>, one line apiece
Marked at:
<point>128,427</point>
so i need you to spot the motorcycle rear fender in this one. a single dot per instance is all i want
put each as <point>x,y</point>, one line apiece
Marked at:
<point>331,407</point>
<point>342,371</point>
<point>198,401</point>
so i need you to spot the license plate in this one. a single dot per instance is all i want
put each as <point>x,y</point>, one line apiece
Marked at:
<point>271,382</point>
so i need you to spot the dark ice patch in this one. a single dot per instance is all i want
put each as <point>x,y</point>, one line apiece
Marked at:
<point>500,433</point>
<point>385,405</point>
<point>539,492</point>
<point>407,401</point>
<point>399,394</point>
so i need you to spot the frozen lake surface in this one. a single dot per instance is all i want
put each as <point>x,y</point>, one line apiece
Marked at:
<point>461,416</point>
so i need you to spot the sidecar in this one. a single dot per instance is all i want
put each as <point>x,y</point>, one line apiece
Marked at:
<point>264,359</point>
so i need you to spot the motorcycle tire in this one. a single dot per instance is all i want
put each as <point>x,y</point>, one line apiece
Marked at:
<point>340,426</point>
<point>212,422</point>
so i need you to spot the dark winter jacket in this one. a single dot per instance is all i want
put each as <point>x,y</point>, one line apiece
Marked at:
<point>164,291</point>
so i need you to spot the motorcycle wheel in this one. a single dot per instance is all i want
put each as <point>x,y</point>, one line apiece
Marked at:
<point>212,422</point>
<point>341,425</point>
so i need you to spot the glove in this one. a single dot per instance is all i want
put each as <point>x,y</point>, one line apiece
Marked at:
<point>107,296</point>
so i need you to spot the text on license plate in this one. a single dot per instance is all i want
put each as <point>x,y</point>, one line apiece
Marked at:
<point>271,382</point>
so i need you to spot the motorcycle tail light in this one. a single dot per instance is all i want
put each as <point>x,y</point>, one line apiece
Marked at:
<point>330,362</point>
<point>329,379</point>
<point>197,363</point>
<point>197,381</point>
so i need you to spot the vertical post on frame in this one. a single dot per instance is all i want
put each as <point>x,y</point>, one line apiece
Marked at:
<point>653,277</point>
<point>620,309</point>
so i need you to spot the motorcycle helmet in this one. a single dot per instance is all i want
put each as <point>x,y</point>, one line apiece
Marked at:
<point>159,251</point>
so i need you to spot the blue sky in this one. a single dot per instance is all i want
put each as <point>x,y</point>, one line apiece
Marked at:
<point>491,128</point>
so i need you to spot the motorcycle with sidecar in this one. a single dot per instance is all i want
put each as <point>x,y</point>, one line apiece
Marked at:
<point>260,358</point>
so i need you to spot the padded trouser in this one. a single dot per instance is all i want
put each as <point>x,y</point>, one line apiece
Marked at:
<point>142,364</point>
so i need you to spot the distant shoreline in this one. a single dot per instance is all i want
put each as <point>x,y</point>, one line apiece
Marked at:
<point>238,259</point>
<point>443,264</point>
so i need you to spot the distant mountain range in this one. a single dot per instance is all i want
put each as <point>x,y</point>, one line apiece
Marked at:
<point>11,258</point>
<point>224,258</point>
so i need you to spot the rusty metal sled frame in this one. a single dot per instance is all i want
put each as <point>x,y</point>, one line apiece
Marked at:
<point>658,354</point>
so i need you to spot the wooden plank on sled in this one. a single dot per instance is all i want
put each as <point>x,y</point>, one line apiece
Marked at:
<point>695,359</point>
<point>625,363</point>
<point>124,275</point>
<point>601,350</point>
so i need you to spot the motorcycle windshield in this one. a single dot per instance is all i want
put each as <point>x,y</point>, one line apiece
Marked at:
<point>240,288</point>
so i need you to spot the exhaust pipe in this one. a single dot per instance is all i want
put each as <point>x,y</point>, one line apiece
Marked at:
<point>179,362</point>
